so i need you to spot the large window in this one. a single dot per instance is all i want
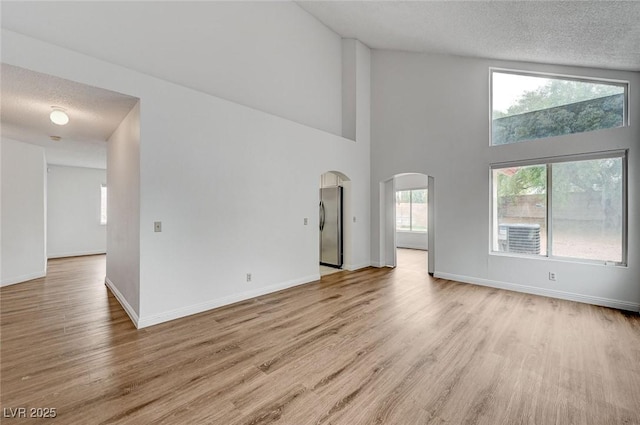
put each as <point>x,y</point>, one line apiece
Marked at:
<point>533,106</point>
<point>411,210</point>
<point>569,207</point>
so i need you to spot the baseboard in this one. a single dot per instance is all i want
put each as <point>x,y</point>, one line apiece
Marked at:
<point>123,302</point>
<point>75,254</point>
<point>380,265</point>
<point>23,278</point>
<point>355,267</point>
<point>156,319</point>
<point>413,246</point>
<point>551,293</point>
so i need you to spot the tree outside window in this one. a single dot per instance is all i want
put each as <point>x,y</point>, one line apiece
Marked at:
<point>581,216</point>
<point>411,210</point>
<point>529,107</point>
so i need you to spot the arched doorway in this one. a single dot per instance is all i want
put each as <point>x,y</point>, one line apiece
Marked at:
<point>334,237</point>
<point>407,217</point>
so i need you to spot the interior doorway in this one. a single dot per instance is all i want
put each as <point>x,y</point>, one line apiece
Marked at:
<point>68,125</point>
<point>407,221</point>
<point>334,228</point>
<point>412,260</point>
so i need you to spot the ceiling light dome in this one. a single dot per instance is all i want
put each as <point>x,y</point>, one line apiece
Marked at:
<point>59,117</point>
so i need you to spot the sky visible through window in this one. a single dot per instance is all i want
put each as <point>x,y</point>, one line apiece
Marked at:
<point>529,107</point>
<point>508,88</point>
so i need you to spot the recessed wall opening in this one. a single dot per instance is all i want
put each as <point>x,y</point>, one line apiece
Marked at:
<point>334,222</point>
<point>407,222</point>
<point>72,217</point>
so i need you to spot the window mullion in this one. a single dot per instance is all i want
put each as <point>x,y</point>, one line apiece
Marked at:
<point>411,211</point>
<point>625,212</point>
<point>587,198</point>
<point>549,211</point>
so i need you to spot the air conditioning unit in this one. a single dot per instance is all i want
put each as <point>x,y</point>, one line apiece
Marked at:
<point>519,238</point>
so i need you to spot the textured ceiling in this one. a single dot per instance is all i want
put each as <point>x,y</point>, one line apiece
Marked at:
<point>598,34</point>
<point>27,98</point>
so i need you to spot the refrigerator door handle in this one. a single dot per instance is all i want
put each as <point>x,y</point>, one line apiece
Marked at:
<point>321,216</point>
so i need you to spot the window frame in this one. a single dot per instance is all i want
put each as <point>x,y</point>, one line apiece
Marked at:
<point>622,154</point>
<point>569,77</point>
<point>103,186</point>
<point>411,210</point>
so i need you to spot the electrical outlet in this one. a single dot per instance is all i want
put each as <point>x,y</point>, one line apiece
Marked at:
<point>306,221</point>
<point>248,277</point>
<point>552,276</point>
<point>157,226</point>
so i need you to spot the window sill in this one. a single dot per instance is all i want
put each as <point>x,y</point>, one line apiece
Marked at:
<point>559,259</point>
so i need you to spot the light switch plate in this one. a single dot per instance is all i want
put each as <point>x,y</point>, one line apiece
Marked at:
<point>157,226</point>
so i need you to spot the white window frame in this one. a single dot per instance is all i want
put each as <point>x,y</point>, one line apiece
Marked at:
<point>492,70</point>
<point>103,206</point>
<point>411,210</point>
<point>549,161</point>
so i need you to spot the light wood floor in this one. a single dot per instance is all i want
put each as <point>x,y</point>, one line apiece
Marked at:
<point>377,346</point>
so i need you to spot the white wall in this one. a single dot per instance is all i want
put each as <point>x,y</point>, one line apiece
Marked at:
<point>192,145</point>
<point>356,87</point>
<point>123,213</point>
<point>73,211</point>
<point>430,115</point>
<point>413,240</point>
<point>23,223</point>
<point>349,89</point>
<point>361,216</point>
<point>272,56</point>
<point>330,180</point>
<point>411,181</point>
<point>215,232</point>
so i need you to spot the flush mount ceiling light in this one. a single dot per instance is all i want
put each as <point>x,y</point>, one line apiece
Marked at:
<point>59,116</point>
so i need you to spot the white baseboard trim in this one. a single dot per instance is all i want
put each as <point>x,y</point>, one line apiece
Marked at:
<point>156,319</point>
<point>380,265</point>
<point>23,278</point>
<point>76,254</point>
<point>123,302</point>
<point>420,247</point>
<point>552,293</point>
<point>352,267</point>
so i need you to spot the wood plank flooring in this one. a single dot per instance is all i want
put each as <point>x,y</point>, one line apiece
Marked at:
<point>376,346</point>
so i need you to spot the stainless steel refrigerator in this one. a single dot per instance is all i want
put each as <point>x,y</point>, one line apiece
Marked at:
<point>331,226</point>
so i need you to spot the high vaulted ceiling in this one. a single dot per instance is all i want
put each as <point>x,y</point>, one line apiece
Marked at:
<point>596,34</point>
